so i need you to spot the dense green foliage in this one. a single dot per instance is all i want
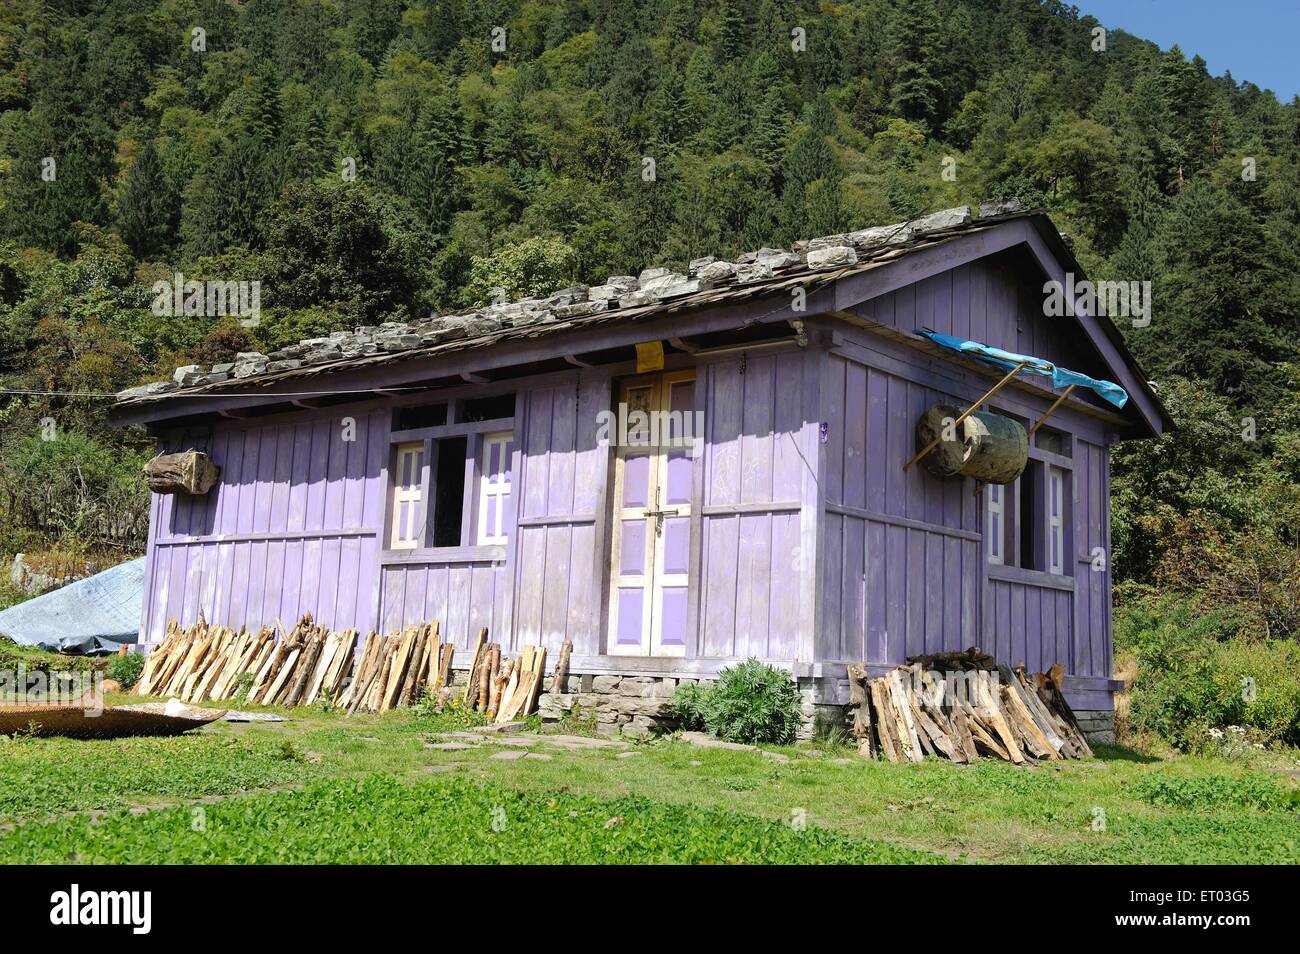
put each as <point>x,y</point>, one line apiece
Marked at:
<point>380,820</point>
<point>1200,683</point>
<point>690,701</point>
<point>751,702</point>
<point>373,161</point>
<point>125,670</point>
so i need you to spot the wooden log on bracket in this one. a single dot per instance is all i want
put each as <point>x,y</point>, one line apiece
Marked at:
<point>190,472</point>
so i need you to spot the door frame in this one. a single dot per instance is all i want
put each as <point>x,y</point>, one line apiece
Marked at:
<point>650,646</point>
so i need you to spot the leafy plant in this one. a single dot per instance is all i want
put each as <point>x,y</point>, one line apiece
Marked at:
<point>451,712</point>
<point>751,702</point>
<point>689,703</point>
<point>243,684</point>
<point>125,670</point>
<point>1198,673</point>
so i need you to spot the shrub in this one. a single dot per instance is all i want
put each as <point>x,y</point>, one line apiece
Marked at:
<point>752,703</point>
<point>1194,668</point>
<point>689,703</point>
<point>125,670</point>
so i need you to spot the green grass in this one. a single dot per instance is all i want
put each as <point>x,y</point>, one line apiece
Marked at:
<point>1189,809</point>
<point>379,819</point>
<point>42,777</point>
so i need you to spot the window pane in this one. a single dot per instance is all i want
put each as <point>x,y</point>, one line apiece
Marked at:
<point>419,415</point>
<point>488,408</point>
<point>449,495</point>
<point>1031,519</point>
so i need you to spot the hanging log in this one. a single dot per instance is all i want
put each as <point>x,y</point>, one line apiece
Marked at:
<point>997,448</point>
<point>190,472</point>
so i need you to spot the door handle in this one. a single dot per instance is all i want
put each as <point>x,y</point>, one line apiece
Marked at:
<point>659,518</point>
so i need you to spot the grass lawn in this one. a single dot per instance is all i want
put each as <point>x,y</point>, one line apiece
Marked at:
<point>327,787</point>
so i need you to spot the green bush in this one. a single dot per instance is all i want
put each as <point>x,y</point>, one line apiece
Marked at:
<point>689,705</point>
<point>125,670</point>
<point>1197,673</point>
<point>753,703</point>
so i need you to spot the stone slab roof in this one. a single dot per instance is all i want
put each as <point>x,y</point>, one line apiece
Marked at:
<point>708,281</point>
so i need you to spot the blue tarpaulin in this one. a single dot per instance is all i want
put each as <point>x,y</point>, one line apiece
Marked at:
<point>1061,377</point>
<point>98,613</point>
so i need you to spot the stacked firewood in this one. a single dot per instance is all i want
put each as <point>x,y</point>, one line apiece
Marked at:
<point>202,661</point>
<point>396,670</point>
<point>960,706</point>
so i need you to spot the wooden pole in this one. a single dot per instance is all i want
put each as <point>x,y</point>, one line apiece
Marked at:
<point>1059,401</point>
<point>967,413</point>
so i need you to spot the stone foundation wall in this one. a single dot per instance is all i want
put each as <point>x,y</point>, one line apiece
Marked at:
<point>820,712</point>
<point>1098,725</point>
<point>640,706</point>
<point>635,706</point>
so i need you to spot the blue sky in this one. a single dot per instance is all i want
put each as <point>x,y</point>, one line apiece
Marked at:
<point>1253,39</point>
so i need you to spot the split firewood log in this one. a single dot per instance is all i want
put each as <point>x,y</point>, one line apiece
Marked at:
<point>494,680</point>
<point>560,682</point>
<point>859,697</point>
<point>886,723</point>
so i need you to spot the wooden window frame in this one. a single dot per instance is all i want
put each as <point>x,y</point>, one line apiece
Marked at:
<point>429,437</point>
<point>413,493</point>
<point>488,488</point>
<point>1056,523</point>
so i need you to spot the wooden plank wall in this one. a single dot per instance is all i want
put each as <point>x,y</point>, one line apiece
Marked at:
<point>756,453</point>
<point>1092,608</point>
<point>995,300</point>
<point>291,527</point>
<point>888,572</point>
<point>1030,624</point>
<point>901,557</point>
<point>558,557</point>
<point>462,596</point>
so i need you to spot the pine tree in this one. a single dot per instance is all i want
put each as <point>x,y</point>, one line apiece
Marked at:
<point>148,209</point>
<point>913,32</point>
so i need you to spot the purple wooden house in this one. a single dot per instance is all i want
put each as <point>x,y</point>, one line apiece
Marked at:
<point>492,469</point>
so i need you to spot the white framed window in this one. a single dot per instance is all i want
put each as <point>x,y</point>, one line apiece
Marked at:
<point>494,487</point>
<point>408,481</point>
<point>1055,520</point>
<point>996,531</point>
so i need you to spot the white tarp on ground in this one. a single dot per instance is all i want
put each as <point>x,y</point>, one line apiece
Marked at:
<point>98,613</point>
